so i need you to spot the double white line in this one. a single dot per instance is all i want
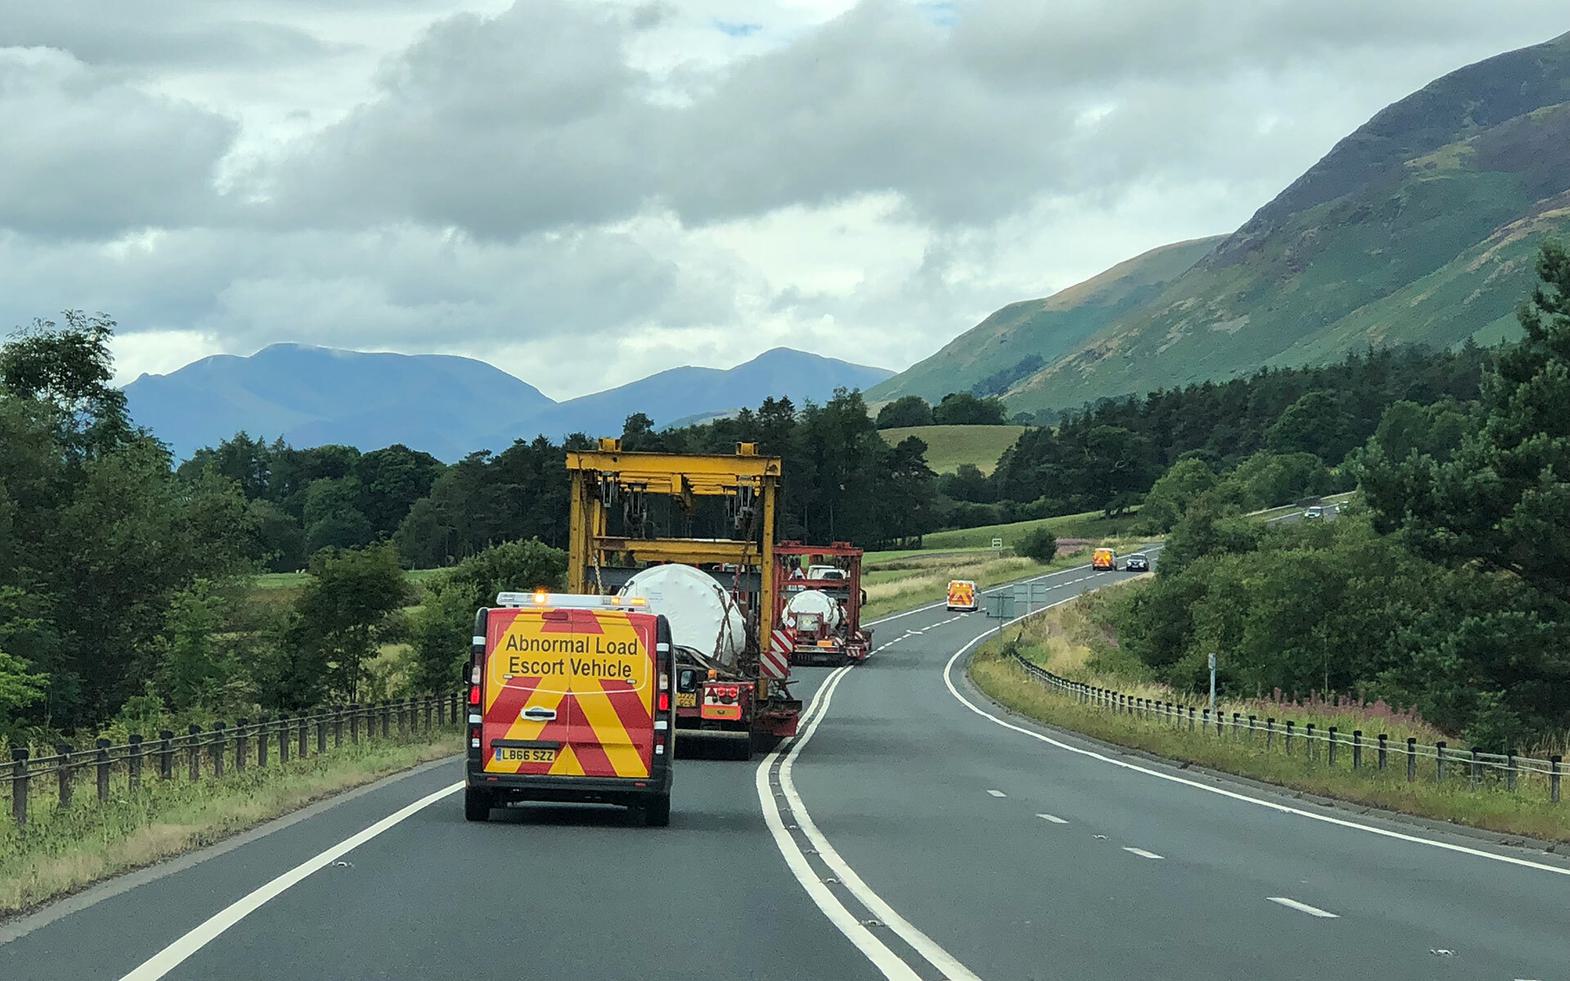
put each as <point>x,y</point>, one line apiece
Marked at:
<point>890,964</point>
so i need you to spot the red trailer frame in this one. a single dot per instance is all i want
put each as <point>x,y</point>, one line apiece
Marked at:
<point>853,644</point>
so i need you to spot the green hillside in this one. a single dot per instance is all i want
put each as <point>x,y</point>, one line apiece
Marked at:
<point>949,446</point>
<point>1420,227</point>
<point>1021,337</point>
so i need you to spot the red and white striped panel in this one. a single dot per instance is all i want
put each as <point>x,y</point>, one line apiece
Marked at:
<point>776,659</point>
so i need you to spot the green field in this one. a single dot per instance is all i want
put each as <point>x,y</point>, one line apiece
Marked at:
<point>1089,524</point>
<point>949,446</point>
<point>270,581</point>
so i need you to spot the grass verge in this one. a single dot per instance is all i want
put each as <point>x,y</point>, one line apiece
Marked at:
<point>916,581</point>
<point>1526,812</point>
<point>61,852</point>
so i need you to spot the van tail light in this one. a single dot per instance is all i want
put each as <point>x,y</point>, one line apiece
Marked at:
<point>474,694</point>
<point>474,684</point>
<point>664,703</point>
<point>474,737</point>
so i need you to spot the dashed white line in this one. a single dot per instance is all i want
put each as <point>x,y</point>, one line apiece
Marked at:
<point>1051,819</point>
<point>1303,907</point>
<point>997,793</point>
<point>1141,853</point>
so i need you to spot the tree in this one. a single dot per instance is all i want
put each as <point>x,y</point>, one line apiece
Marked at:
<point>390,481</point>
<point>907,495</point>
<point>1038,543</point>
<point>70,369</point>
<point>907,410</point>
<point>19,688</point>
<point>347,609</point>
<point>967,483</point>
<point>1501,500</point>
<point>1173,492</point>
<point>280,539</point>
<point>965,409</point>
<point>1316,423</point>
<point>332,515</point>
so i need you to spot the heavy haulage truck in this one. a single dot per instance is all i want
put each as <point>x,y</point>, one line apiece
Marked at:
<point>818,605</point>
<point>692,537</point>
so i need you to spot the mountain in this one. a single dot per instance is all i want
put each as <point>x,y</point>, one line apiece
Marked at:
<point>447,406</point>
<point>315,395</point>
<point>1419,227</point>
<point>1023,337</point>
<point>688,394</point>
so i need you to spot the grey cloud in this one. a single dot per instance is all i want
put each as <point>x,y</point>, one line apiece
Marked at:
<point>534,119</point>
<point>144,34</point>
<point>85,155</point>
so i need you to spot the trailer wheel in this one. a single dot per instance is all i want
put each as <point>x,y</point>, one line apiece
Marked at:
<point>476,804</point>
<point>657,811</point>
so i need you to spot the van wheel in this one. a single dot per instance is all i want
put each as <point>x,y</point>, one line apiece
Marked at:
<point>476,804</point>
<point>657,812</point>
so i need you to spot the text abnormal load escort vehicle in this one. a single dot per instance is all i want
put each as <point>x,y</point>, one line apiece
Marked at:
<point>570,699</point>
<point>962,595</point>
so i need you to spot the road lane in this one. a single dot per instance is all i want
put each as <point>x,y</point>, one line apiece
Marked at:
<point>1048,900</point>
<point>1047,880</point>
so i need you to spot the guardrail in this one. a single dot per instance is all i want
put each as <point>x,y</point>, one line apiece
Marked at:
<point>1354,751</point>
<point>199,753</point>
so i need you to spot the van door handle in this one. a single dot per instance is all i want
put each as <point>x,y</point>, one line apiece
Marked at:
<point>538,714</point>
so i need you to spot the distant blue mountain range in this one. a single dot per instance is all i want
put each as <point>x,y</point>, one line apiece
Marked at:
<point>447,406</point>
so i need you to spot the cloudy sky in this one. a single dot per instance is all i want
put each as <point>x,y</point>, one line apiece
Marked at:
<point>582,192</point>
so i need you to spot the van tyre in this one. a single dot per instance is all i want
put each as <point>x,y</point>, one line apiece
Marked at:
<point>657,812</point>
<point>476,804</point>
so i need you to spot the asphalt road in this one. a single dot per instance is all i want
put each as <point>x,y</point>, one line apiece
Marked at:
<point>913,830</point>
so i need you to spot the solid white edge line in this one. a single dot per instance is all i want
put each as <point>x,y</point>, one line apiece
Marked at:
<point>918,941</point>
<point>204,933</point>
<point>1304,908</point>
<point>1140,852</point>
<point>1219,791</point>
<point>881,957</point>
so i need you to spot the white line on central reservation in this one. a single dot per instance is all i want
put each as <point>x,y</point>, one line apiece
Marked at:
<point>1051,819</point>
<point>881,957</point>
<point>1140,852</point>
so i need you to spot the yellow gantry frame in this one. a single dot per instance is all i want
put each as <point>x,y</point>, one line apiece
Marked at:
<point>681,476</point>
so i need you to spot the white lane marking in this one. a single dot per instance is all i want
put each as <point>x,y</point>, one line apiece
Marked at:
<point>997,793</point>
<point>885,960</point>
<point>1304,908</point>
<point>880,956</point>
<point>1141,852</point>
<point>1051,818</point>
<point>1219,791</point>
<point>173,955</point>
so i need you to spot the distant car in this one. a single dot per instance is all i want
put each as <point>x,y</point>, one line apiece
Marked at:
<point>1138,562</point>
<point>1314,513</point>
<point>826,572</point>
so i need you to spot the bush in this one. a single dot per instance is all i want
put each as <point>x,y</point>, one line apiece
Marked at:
<point>442,629</point>
<point>1038,543</point>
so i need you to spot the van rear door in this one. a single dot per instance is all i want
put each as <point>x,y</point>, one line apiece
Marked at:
<point>569,692</point>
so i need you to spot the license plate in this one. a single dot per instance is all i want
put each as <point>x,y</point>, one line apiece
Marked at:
<point>517,754</point>
<point>687,699</point>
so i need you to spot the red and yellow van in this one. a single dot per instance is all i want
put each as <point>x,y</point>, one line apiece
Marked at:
<point>570,700</point>
<point>1103,559</point>
<point>962,595</point>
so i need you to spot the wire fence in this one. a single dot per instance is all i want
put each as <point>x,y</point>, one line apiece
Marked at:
<point>1328,746</point>
<point>198,754</point>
